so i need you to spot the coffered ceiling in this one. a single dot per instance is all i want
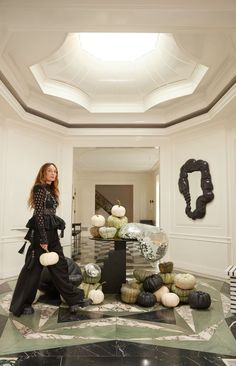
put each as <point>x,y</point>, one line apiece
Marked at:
<point>47,70</point>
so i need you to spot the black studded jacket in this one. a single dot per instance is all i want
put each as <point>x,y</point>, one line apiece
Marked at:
<point>44,216</point>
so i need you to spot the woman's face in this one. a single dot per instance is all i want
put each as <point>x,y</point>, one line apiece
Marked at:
<point>50,174</point>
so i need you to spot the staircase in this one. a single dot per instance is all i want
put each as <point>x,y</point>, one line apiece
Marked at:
<point>102,202</point>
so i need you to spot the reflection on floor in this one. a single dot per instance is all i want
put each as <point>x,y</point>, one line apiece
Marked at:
<point>120,334</point>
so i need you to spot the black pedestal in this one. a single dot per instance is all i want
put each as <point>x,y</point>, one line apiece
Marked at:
<point>114,267</point>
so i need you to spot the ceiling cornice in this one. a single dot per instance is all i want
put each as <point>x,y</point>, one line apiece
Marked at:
<point>60,122</point>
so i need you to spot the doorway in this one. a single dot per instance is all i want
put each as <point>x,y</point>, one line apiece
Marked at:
<point>107,195</point>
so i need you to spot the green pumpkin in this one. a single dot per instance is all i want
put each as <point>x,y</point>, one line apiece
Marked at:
<point>117,222</point>
<point>183,294</point>
<point>135,284</point>
<point>141,274</point>
<point>129,294</point>
<point>167,278</point>
<point>166,267</point>
<point>87,287</point>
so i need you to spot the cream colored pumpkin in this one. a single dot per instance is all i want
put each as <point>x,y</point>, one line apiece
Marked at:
<point>185,281</point>
<point>98,220</point>
<point>49,258</point>
<point>170,300</point>
<point>163,290</point>
<point>97,296</point>
<point>118,210</point>
<point>87,287</point>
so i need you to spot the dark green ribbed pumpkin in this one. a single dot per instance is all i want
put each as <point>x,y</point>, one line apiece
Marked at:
<point>146,299</point>
<point>199,300</point>
<point>152,283</point>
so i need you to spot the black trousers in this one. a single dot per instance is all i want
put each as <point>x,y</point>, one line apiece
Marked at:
<point>29,277</point>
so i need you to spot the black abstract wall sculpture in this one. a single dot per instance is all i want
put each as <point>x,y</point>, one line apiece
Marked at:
<point>207,196</point>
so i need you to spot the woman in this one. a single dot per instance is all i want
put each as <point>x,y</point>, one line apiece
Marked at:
<point>42,234</point>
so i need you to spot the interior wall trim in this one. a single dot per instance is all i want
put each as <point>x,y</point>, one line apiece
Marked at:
<point>203,238</point>
<point>63,123</point>
<point>200,270</point>
<point>12,239</point>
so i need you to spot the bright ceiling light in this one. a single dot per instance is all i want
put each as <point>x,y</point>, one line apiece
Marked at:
<point>118,46</point>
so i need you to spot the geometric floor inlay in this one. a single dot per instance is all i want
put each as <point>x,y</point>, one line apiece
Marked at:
<point>3,320</point>
<point>115,333</point>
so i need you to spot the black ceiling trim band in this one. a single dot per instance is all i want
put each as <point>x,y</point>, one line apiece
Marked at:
<point>60,122</point>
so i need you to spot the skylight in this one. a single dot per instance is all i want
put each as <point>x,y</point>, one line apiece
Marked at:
<point>118,46</point>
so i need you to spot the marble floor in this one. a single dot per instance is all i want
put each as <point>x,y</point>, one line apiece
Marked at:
<point>117,333</point>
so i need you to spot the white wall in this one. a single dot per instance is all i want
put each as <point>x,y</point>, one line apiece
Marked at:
<point>205,246</point>
<point>143,191</point>
<point>202,245</point>
<point>23,151</point>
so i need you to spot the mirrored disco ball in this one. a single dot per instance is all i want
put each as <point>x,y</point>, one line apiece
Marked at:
<point>92,269</point>
<point>134,230</point>
<point>153,245</point>
<point>153,241</point>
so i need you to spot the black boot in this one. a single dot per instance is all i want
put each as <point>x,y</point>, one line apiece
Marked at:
<point>28,310</point>
<point>82,304</point>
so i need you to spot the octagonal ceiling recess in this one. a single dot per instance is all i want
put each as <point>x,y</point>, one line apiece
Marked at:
<point>139,71</point>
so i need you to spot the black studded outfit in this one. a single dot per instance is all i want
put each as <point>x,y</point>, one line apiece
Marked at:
<point>43,229</point>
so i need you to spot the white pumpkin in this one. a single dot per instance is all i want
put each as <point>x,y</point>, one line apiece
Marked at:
<point>97,296</point>
<point>185,281</point>
<point>49,258</point>
<point>170,300</point>
<point>118,210</point>
<point>107,232</point>
<point>98,220</point>
<point>163,290</point>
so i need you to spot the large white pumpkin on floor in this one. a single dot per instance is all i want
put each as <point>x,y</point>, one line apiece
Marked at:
<point>49,258</point>
<point>98,220</point>
<point>170,300</point>
<point>97,296</point>
<point>118,210</point>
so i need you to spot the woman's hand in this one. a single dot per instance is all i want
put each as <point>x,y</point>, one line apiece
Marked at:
<point>44,246</point>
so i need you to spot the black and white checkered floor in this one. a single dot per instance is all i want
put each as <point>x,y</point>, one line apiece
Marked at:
<point>92,251</point>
